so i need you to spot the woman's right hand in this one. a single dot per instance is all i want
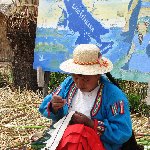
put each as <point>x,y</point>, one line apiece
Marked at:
<point>57,103</point>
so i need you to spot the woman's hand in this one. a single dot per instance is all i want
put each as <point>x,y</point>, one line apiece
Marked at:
<point>57,103</point>
<point>79,118</point>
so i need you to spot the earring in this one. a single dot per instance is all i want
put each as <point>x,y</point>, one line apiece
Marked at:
<point>98,82</point>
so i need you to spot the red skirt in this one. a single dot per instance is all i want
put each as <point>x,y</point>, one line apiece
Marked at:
<point>80,137</point>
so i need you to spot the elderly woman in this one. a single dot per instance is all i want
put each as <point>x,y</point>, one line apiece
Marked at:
<point>102,118</point>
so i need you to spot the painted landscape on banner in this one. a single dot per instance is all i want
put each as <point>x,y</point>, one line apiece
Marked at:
<point>120,28</point>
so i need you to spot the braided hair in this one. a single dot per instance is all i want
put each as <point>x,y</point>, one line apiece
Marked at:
<point>112,79</point>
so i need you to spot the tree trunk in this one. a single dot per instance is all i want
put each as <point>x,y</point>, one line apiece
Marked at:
<point>23,42</point>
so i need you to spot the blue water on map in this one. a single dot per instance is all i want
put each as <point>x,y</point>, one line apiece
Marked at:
<point>79,26</point>
<point>81,21</point>
<point>145,4</point>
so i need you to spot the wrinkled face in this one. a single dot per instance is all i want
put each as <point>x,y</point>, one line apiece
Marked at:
<point>86,83</point>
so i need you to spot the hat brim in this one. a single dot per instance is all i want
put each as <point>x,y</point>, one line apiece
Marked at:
<point>70,67</point>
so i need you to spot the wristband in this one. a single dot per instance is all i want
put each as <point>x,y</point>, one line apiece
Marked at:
<point>99,127</point>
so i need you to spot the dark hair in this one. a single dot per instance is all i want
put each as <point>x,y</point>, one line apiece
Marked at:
<point>112,79</point>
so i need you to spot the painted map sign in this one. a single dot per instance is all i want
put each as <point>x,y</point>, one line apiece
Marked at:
<point>121,28</point>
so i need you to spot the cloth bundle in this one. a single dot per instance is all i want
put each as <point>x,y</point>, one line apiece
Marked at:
<point>80,137</point>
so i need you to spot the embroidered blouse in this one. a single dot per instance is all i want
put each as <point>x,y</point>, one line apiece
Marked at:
<point>84,101</point>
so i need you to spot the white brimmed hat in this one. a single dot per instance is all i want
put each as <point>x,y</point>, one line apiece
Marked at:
<point>87,60</point>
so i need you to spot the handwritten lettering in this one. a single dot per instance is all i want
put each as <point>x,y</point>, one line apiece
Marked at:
<point>83,17</point>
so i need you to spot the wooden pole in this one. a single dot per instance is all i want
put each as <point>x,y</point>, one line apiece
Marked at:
<point>46,82</point>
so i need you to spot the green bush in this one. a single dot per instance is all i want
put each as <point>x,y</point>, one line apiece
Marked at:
<point>134,102</point>
<point>137,105</point>
<point>144,109</point>
<point>55,79</point>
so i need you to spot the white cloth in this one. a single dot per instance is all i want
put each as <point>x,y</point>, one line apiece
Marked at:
<point>56,135</point>
<point>83,101</point>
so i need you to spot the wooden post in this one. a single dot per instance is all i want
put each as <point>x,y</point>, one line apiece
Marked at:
<point>46,81</point>
<point>43,80</point>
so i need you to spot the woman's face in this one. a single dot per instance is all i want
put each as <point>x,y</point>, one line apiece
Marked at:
<point>86,83</point>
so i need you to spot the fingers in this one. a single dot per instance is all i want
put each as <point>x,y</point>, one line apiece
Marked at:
<point>79,118</point>
<point>56,98</point>
<point>79,114</point>
<point>57,102</point>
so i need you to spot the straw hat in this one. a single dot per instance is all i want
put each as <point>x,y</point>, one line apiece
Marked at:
<point>87,60</point>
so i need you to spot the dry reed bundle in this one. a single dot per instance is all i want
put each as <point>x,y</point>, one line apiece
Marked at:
<point>19,117</point>
<point>141,128</point>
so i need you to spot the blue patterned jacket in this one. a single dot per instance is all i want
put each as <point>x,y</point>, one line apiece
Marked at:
<point>111,109</point>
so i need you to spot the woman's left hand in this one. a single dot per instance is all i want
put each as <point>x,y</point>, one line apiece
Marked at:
<point>79,118</point>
